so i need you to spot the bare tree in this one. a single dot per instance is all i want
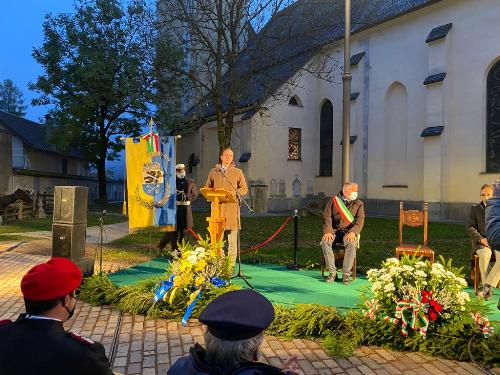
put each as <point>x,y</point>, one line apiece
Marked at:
<point>240,51</point>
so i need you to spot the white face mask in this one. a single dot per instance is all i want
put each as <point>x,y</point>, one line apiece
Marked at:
<point>353,196</point>
<point>181,174</point>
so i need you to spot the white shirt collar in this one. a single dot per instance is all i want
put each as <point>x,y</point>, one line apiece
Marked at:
<point>38,317</point>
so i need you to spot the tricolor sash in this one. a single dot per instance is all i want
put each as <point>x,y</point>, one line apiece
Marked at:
<point>342,209</point>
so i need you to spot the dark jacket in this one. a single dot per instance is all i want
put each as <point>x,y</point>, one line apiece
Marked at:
<point>44,347</point>
<point>194,364</point>
<point>332,221</point>
<point>191,195</point>
<point>475,224</point>
<point>493,222</point>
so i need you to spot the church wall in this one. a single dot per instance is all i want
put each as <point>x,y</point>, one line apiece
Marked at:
<point>446,170</point>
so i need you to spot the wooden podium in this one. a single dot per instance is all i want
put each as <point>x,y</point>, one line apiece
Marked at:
<point>216,221</point>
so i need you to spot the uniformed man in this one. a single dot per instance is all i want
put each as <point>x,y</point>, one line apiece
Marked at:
<point>235,323</point>
<point>186,194</point>
<point>37,343</point>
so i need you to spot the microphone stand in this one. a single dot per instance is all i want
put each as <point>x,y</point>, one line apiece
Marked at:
<point>239,274</point>
<point>102,230</point>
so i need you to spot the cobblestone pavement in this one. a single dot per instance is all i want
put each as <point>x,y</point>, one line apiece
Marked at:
<point>150,346</point>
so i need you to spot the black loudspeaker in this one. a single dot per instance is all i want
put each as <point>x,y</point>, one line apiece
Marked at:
<point>68,240</point>
<point>70,204</point>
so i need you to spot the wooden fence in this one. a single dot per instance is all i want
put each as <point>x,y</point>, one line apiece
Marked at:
<point>47,202</point>
<point>21,210</point>
<point>17,211</point>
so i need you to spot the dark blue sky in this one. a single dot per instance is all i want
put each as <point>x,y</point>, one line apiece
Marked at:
<point>21,30</point>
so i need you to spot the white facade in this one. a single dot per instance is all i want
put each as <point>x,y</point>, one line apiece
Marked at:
<point>389,159</point>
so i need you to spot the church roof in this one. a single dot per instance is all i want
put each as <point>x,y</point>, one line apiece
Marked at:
<point>32,134</point>
<point>295,35</point>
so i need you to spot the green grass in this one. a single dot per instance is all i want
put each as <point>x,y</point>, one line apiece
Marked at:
<point>115,207</point>
<point>378,240</point>
<point>15,237</point>
<point>34,225</point>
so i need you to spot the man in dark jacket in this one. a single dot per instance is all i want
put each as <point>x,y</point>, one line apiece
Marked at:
<point>235,323</point>
<point>37,343</point>
<point>343,220</point>
<point>186,194</point>
<point>477,233</point>
<point>493,236</point>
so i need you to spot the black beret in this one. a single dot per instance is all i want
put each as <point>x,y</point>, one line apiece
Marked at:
<point>238,315</point>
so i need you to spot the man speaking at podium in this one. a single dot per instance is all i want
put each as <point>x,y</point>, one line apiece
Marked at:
<point>225,175</point>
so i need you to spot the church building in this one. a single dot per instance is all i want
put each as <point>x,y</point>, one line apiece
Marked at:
<point>425,109</point>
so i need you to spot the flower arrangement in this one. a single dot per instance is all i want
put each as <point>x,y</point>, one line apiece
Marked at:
<point>198,267</point>
<point>414,294</point>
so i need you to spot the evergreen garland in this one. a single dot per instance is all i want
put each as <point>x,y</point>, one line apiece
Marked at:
<point>340,334</point>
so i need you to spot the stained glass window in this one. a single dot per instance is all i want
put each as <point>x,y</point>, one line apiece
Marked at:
<point>294,143</point>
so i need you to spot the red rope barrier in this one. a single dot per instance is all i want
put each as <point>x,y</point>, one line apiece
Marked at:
<point>257,247</point>
<point>195,235</point>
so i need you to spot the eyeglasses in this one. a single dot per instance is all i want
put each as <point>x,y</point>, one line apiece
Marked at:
<point>485,195</point>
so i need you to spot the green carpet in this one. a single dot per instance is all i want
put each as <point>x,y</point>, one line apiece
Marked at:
<point>281,285</point>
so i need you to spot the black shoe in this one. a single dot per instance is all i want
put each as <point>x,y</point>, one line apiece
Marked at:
<point>488,295</point>
<point>332,277</point>
<point>345,279</point>
<point>484,292</point>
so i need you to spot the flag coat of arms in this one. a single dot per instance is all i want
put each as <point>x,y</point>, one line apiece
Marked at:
<point>150,164</point>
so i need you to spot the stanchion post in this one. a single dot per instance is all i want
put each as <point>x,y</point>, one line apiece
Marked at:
<point>294,266</point>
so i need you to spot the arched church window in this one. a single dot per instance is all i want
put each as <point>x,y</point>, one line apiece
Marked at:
<point>296,187</point>
<point>326,139</point>
<point>493,119</point>
<point>295,101</point>
<point>395,135</point>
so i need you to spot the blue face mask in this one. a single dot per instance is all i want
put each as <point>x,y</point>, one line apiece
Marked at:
<point>353,196</point>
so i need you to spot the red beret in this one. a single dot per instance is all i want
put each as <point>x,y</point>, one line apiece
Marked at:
<point>46,281</point>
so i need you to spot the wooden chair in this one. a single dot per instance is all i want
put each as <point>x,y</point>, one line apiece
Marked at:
<point>413,218</point>
<point>475,274</point>
<point>339,252</point>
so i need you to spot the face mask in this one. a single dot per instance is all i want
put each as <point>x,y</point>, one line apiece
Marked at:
<point>353,196</point>
<point>181,174</point>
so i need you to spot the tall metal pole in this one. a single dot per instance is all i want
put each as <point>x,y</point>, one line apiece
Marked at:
<point>346,84</point>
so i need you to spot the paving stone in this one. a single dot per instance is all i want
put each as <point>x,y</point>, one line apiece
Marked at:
<point>150,346</point>
<point>120,362</point>
<point>365,370</point>
<point>135,357</point>
<point>353,371</point>
<point>318,364</point>
<point>306,367</point>
<point>134,368</point>
<point>149,361</point>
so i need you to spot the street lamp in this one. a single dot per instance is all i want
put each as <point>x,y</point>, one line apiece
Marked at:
<point>346,85</point>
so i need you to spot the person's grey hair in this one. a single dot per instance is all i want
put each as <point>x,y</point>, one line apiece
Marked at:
<point>224,353</point>
<point>349,183</point>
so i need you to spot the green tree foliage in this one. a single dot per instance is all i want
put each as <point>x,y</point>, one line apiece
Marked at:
<point>11,98</point>
<point>103,77</point>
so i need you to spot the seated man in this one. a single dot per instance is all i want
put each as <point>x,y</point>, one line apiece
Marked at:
<point>37,343</point>
<point>235,323</point>
<point>343,220</point>
<point>476,232</point>
<point>493,235</point>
